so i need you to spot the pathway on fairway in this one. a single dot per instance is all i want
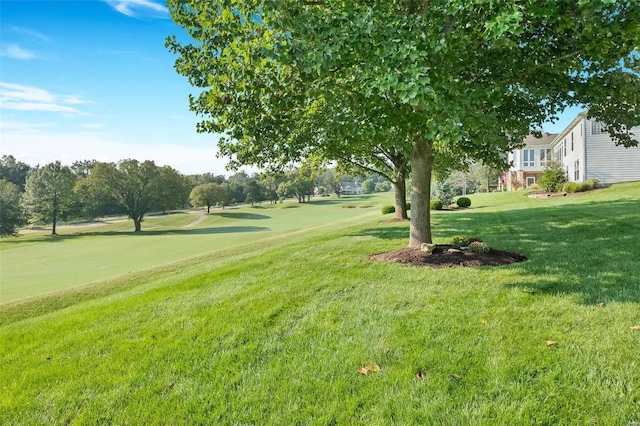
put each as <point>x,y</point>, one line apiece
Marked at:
<point>196,221</point>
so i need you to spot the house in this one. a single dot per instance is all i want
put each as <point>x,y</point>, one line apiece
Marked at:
<point>586,151</point>
<point>528,163</point>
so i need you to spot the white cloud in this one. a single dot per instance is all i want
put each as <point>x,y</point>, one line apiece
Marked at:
<point>29,32</point>
<point>28,98</point>
<point>14,51</point>
<point>134,8</point>
<point>43,143</point>
<point>92,126</point>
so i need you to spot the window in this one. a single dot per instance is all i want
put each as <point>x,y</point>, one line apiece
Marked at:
<point>545,156</point>
<point>557,153</point>
<point>531,180</point>
<point>571,141</point>
<point>576,170</point>
<point>515,159</point>
<point>529,158</point>
<point>564,147</point>
<point>598,128</point>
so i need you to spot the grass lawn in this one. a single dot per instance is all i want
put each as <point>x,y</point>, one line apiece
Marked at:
<point>274,332</point>
<point>87,254</point>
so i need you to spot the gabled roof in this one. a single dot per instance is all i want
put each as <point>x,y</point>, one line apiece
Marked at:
<point>545,140</point>
<point>581,116</point>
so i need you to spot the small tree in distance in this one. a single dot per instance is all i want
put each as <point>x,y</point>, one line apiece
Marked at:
<point>207,194</point>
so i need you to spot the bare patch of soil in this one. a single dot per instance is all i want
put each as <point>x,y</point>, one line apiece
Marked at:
<point>447,256</point>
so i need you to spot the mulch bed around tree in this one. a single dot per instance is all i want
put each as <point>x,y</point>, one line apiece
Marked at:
<point>442,257</point>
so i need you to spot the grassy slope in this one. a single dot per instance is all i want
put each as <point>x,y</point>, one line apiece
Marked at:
<point>83,255</point>
<point>274,335</point>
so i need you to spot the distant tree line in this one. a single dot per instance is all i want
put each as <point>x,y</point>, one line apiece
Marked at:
<point>90,189</point>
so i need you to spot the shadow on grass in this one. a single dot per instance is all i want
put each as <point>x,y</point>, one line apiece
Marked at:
<point>241,215</point>
<point>145,233</point>
<point>588,249</point>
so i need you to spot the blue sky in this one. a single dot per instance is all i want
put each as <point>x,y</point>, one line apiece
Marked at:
<point>85,79</point>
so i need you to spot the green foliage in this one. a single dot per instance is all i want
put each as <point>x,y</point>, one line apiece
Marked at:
<point>174,190</point>
<point>553,177</point>
<point>478,247</point>
<point>337,78</point>
<point>580,186</point>
<point>10,211</point>
<point>137,186</point>
<point>48,193</point>
<point>383,186</point>
<point>388,209</point>
<point>463,202</point>
<point>570,187</point>
<point>443,191</point>
<point>95,200</point>
<point>460,241</point>
<point>14,171</point>
<point>209,194</point>
<point>435,205</point>
<point>408,205</point>
<point>368,186</point>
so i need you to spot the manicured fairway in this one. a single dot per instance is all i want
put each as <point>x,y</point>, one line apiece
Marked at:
<point>38,264</point>
<point>273,332</point>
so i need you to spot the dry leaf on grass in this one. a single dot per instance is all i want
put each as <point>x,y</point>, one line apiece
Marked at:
<point>369,368</point>
<point>483,321</point>
<point>635,327</point>
<point>601,304</point>
<point>455,377</point>
<point>551,342</point>
<point>420,375</point>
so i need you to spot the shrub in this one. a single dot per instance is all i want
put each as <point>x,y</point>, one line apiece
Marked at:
<point>460,241</point>
<point>571,187</point>
<point>478,247</point>
<point>580,186</point>
<point>463,202</point>
<point>388,209</point>
<point>553,177</point>
<point>436,205</point>
<point>588,185</point>
<point>408,205</point>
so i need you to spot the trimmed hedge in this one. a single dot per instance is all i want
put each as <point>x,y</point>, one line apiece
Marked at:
<point>436,205</point>
<point>463,202</point>
<point>388,209</point>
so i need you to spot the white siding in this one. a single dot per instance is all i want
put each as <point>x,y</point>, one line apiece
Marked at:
<point>607,162</point>
<point>574,151</point>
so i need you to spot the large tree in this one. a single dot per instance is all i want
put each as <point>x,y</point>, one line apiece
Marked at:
<point>48,193</point>
<point>455,79</point>
<point>10,211</point>
<point>137,186</point>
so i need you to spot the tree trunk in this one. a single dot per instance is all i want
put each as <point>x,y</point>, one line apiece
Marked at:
<point>208,208</point>
<point>55,219</point>
<point>136,224</point>
<point>55,215</point>
<point>421,168</point>
<point>400,192</point>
